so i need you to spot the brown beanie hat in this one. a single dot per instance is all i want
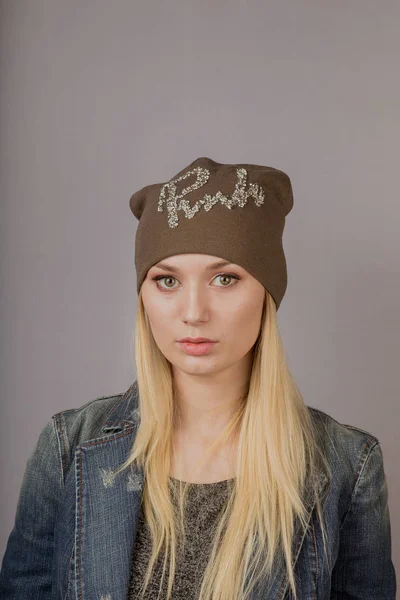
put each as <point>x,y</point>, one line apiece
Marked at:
<point>233,211</point>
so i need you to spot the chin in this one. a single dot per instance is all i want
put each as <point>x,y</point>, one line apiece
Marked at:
<point>193,365</point>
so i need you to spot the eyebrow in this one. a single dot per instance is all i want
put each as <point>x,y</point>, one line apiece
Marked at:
<point>216,265</point>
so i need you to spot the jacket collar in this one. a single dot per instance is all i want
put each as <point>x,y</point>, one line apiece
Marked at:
<point>125,412</point>
<point>108,510</point>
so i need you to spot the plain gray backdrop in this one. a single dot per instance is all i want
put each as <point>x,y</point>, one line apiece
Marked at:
<point>99,98</point>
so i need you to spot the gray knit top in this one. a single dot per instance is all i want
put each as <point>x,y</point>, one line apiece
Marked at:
<point>205,501</point>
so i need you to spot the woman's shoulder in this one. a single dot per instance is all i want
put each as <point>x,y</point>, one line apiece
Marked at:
<point>329,424</point>
<point>343,444</point>
<point>99,417</point>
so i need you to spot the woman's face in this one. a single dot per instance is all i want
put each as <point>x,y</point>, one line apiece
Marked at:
<point>194,297</point>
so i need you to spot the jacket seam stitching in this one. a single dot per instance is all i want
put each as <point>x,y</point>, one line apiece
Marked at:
<point>371,437</point>
<point>105,439</point>
<point>69,573</point>
<point>59,452</point>
<point>365,453</point>
<point>316,559</point>
<point>62,446</point>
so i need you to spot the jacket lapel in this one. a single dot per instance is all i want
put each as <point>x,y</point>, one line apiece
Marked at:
<point>276,587</point>
<point>107,514</point>
<point>108,508</point>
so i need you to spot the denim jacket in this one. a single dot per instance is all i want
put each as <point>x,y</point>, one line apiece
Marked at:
<point>76,523</point>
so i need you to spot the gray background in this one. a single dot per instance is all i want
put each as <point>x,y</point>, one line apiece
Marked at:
<point>100,98</point>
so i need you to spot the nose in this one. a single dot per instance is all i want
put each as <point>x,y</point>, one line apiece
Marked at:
<point>194,307</point>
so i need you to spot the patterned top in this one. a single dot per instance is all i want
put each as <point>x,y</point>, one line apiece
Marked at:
<point>205,502</point>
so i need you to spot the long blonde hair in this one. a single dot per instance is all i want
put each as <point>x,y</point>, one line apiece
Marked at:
<point>277,448</point>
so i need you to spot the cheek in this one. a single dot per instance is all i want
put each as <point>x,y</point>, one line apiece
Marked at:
<point>158,322</point>
<point>161,323</point>
<point>241,326</point>
<point>157,308</point>
<point>161,334</point>
<point>248,324</point>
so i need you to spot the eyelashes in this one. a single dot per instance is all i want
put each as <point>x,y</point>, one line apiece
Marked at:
<point>158,278</point>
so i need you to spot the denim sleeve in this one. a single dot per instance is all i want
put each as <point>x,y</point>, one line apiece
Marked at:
<point>364,568</point>
<point>26,570</point>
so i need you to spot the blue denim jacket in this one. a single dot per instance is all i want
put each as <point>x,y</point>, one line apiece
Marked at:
<point>75,524</point>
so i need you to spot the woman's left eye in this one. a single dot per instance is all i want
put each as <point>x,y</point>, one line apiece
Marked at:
<point>222,275</point>
<point>229,276</point>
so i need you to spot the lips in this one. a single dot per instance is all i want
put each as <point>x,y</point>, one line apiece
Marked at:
<point>196,340</point>
<point>197,348</point>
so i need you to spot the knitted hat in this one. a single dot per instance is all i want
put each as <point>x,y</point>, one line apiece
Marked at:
<point>232,211</point>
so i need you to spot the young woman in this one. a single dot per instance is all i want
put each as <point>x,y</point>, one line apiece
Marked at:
<point>209,478</point>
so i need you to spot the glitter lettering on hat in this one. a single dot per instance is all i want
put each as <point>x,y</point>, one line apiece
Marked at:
<point>238,198</point>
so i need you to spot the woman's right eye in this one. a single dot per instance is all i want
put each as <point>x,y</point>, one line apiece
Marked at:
<point>159,277</point>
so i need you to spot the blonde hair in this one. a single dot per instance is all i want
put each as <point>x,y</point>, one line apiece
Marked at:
<point>277,448</point>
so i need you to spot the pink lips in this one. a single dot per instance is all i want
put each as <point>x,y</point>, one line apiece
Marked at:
<point>197,349</point>
<point>195,340</point>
